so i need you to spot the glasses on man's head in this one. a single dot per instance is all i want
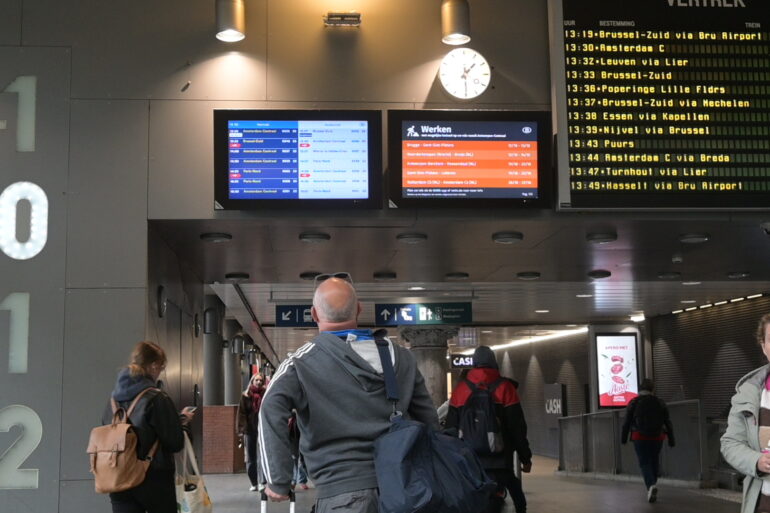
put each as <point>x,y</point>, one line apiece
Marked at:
<point>320,278</point>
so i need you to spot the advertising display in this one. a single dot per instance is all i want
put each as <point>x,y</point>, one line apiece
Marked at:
<point>617,368</point>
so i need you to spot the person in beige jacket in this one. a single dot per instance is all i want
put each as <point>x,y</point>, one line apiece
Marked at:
<point>248,428</point>
<point>746,443</point>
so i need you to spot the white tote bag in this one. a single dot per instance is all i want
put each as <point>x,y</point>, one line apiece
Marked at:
<point>191,493</point>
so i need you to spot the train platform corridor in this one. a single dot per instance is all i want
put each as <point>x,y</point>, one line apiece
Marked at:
<point>547,492</point>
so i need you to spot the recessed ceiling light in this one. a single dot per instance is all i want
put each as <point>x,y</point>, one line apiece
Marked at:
<point>236,276</point>
<point>416,288</point>
<point>737,299</point>
<point>542,311</point>
<point>637,317</point>
<point>308,275</point>
<point>754,296</point>
<point>507,237</point>
<point>690,283</point>
<point>677,311</point>
<point>691,309</point>
<point>601,237</point>
<point>384,276</point>
<point>707,305</point>
<point>687,301</point>
<point>693,238</point>
<point>584,295</point>
<point>719,303</point>
<point>669,275</point>
<point>486,332</point>
<point>598,274</point>
<point>411,238</point>
<point>216,237</point>
<point>314,237</point>
<point>528,275</point>
<point>456,276</point>
<point>738,275</point>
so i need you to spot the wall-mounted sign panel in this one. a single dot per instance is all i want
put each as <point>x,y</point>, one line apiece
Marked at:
<point>461,361</point>
<point>555,400</point>
<point>662,103</point>
<point>294,316</point>
<point>422,313</point>
<point>616,364</point>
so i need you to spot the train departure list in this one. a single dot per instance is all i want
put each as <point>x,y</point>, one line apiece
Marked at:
<point>304,159</point>
<point>668,103</point>
<point>469,159</point>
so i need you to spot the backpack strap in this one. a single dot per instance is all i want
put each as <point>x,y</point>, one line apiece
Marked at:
<point>391,385</point>
<point>117,409</point>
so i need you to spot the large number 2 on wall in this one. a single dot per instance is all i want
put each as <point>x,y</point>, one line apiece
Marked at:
<point>11,476</point>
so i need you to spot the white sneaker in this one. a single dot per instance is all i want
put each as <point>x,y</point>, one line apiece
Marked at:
<point>652,494</point>
<point>252,488</point>
<point>261,487</point>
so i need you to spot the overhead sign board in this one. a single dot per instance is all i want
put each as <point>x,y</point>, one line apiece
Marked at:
<point>294,316</point>
<point>461,361</point>
<point>400,314</point>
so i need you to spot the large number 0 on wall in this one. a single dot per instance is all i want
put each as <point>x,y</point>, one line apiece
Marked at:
<point>11,476</point>
<point>38,222</point>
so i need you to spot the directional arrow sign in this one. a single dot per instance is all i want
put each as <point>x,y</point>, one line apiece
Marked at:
<point>423,313</point>
<point>295,316</point>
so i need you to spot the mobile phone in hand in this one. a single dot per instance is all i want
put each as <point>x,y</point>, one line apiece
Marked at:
<point>191,409</point>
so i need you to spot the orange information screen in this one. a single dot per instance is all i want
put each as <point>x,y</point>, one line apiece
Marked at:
<point>469,159</point>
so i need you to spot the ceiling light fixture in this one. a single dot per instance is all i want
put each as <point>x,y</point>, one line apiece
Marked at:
<point>486,332</point>
<point>693,238</point>
<point>754,296</point>
<point>455,22</point>
<point>738,275</point>
<point>528,275</point>
<point>690,283</point>
<point>531,340</point>
<point>637,317</point>
<point>456,276</point>
<point>669,275</point>
<point>687,301</point>
<point>677,312</point>
<point>691,309</point>
<point>707,305</point>
<point>231,20</point>
<point>416,288</point>
<point>598,274</point>
<point>384,276</point>
<point>720,303</point>
<point>411,238</point>
<point>737,299</point>
<point>584,295</point>
<point>237,276</point>
<point>542,311</point>
<point>601,237</point>
<point>342,19</point>
<point>314,237</point>
<point>507,237</point>
<point>215,237</point>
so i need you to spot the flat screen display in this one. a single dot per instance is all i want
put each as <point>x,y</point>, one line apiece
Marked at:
<point>662,103</point>
<point>297,159</point>
<point>468,158</point>
<point>617,368</point>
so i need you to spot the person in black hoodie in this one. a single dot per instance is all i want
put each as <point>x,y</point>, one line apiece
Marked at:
<point>513,427</point>
<point>154,418</point>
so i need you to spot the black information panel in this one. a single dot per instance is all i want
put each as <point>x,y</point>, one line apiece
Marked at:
<point>665,103</point>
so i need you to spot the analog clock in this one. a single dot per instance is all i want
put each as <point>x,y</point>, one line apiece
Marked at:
<point>464,73</point>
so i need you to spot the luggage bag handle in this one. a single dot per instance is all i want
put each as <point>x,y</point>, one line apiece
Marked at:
<point>263,501</point>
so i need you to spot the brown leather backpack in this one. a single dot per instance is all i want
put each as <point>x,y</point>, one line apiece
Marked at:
<point>112,451</point>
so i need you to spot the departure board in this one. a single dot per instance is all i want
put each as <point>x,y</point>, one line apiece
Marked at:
<point>662,103</point>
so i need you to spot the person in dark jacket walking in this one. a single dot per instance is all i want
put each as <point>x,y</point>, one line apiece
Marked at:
<point>513,426</point>
<point>154,418</point>
<point>248,426</point>
<point>648,421</point>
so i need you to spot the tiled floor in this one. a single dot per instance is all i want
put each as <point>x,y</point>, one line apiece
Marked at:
<point>546,493</point>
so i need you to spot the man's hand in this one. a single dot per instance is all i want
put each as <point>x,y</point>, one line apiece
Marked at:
<point>763,463</point>
<point>275,497</point>
<point>526,467</point>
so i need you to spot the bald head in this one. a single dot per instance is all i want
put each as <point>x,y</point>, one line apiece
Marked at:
<point>335,305</point>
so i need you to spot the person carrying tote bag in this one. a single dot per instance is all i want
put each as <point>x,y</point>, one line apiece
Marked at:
<point>191,493</point>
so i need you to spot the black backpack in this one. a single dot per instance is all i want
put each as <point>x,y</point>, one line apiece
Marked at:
<point>649,415</point>
<point>479,425</point>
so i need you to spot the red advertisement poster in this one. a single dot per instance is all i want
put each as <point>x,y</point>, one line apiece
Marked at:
<point>616,365</point>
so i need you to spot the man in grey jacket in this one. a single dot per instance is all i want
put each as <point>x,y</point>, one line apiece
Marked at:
<point>335,384</point>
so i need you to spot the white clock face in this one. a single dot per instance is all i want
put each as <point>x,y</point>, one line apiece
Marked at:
<point>464,73</point>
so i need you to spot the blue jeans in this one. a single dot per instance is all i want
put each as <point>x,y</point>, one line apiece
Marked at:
<point>648,454</point>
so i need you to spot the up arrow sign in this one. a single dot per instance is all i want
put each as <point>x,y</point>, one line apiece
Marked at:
<point>385,314</point>
<point>286,316</point>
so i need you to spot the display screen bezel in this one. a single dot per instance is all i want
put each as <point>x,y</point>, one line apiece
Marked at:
<point>395,155</point>
<point>221,157</point>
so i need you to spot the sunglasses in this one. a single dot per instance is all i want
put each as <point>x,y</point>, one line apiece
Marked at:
<point>320,278</point>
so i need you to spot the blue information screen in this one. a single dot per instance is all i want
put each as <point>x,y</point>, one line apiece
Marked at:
<point>298,159</point>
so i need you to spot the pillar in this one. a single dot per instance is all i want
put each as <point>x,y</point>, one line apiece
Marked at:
<point>232,364</point>
<point>213,379</point>
<point>429,346</point>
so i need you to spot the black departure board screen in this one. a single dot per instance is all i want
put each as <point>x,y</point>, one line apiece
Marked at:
<point>662,103</point>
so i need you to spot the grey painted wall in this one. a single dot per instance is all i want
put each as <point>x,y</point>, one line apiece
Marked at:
<point>120,140</point>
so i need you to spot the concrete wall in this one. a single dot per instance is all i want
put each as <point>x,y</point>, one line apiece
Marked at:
<point>123,134</point>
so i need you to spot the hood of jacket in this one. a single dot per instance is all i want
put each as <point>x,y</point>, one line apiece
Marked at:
<point>127,386</point>
<point>483,356</point>
<point>339,349</point>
